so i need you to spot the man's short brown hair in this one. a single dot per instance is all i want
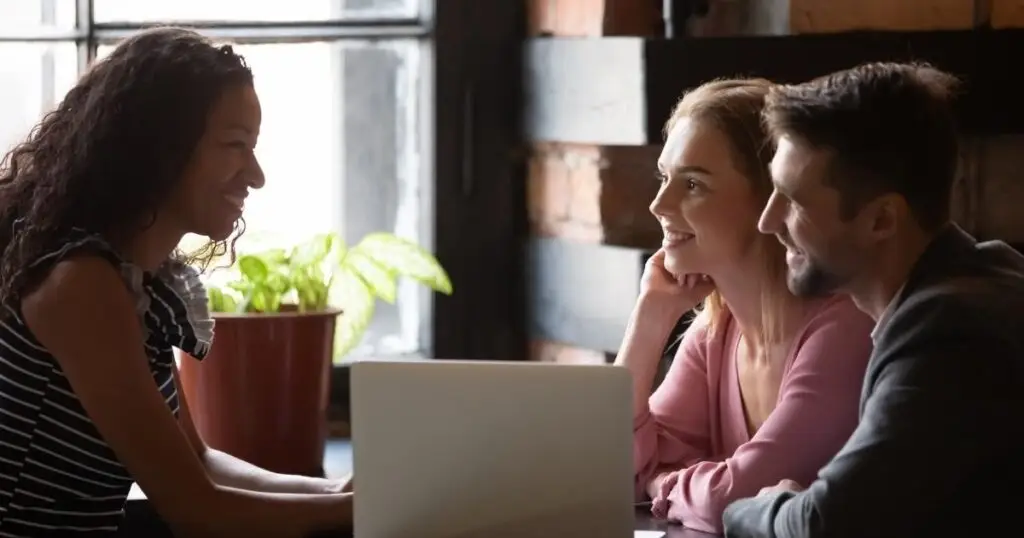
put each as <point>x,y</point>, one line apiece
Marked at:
<point>891,126</point>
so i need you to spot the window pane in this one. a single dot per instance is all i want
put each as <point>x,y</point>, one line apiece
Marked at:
<point>250,10</point>
<point>33,78</point>
<point>339,146</point>
<point>27,17</point>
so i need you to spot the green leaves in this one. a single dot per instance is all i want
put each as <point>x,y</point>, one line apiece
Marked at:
<point>381,281</point>
<point>405,258</point>
<point>253,268</point>
<point>358,304</point>
<point>323,272</point>
<point>314,252</point>
<point>221,302</point>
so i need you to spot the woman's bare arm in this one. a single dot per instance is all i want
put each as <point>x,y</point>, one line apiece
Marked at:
<point>227,470</point>
<point>84,315</point>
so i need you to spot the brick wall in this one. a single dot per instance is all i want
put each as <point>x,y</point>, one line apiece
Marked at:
<point>591,18</point>
<point>590,193</point>
<point>593,193</point>
<point>781,17</point>
<point>600,194</point>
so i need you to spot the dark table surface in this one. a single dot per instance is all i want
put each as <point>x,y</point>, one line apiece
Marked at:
<point>644,521</point>
<point>142,521</point>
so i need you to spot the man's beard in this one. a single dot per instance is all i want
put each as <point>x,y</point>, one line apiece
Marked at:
<point>814,281</point>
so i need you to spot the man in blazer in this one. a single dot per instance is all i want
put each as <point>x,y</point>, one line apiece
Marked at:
<point>863,173</point>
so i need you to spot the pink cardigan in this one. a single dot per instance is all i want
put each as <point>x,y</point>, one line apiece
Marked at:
<point>696,422</point>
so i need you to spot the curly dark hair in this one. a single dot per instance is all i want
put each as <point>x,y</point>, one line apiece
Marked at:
<point>106,157</point>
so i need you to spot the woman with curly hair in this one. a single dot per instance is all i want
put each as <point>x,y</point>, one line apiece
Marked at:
<point>154,142</point>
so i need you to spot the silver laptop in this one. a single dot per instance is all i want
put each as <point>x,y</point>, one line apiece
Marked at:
<point>469,449</point>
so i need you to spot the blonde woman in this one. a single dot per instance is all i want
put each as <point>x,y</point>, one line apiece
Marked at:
<point>765,385</point>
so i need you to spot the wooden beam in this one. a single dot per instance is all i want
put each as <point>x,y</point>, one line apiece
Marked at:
<point>619,91</point>
<point>1006,13</point>
<point>996,189</point>
<point>478,193</point>
<point>589,91</point>
<point>581,294</point>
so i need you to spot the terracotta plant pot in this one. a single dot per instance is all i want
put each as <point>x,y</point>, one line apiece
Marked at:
<point>261,393</point>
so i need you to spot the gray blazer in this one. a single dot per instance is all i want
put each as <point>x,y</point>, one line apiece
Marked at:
<point>939,449</point>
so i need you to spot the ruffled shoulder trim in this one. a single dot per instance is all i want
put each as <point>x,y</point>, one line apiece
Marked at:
<point>78,243</point>
<point>191,320</point>
<point>171,303</point>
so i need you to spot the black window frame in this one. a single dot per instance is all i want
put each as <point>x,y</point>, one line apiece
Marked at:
<point>473,65</point>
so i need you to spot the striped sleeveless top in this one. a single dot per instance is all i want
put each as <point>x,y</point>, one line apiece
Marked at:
<point>57,475</point>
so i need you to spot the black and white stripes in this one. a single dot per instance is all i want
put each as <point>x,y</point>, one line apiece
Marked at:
<point>57,475</point>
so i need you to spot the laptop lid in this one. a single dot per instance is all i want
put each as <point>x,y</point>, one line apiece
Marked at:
<point>465,449</point>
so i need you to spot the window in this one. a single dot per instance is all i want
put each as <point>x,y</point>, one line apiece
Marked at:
<point>35,68</point>
<point>33,77</point>
<point>398,115</point>
<point>133,11</point>
<point>341,137</point>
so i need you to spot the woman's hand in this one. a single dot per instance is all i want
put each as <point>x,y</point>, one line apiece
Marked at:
<point>659,489</point>
<point>662,294</point>
<point>663,300</point>
<point>342,485</point>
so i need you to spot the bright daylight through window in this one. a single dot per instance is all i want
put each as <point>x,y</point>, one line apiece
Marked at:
<point>341,141</point>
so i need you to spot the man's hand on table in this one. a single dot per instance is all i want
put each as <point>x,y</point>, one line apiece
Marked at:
<point>783,485</point>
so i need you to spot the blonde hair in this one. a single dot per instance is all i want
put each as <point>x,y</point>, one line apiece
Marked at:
<point>734,106</point>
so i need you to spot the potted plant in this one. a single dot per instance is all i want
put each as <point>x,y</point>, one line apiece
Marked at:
<point>282,316</point>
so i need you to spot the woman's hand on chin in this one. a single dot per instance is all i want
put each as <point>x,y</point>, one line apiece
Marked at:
<point>668,295</point>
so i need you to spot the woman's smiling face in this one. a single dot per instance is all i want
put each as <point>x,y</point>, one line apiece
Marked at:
<point>707,207</point>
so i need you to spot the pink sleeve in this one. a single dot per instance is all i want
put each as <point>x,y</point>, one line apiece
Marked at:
<point>816,412</point>
<point>673,431</point>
